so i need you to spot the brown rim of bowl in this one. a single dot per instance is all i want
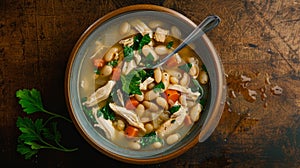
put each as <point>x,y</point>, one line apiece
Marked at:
<point>85,34</point>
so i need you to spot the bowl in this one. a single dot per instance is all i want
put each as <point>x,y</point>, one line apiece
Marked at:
<point>82,79</point>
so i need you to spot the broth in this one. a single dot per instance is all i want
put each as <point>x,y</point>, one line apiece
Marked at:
<point>144,109</point>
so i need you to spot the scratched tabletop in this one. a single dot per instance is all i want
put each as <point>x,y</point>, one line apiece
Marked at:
<point>257,40</point>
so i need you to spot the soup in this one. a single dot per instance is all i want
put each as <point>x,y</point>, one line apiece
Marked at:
<point>144,109</point>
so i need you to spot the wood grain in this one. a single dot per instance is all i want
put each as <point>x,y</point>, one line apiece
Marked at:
<point>256,38</point>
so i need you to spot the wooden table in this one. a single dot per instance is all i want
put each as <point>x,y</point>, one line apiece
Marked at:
<point>257,40</point>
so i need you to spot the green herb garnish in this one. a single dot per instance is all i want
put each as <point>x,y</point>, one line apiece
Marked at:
<point>149,139</point>
<point>131,82</point>
<point>113,63</point>
<point>128,53</point>
<point>107,112</point>
<point>174,109</point>
<point>170,44</point>
<point>160,86</point>
<point>37,134</point>
<point>185,67</point>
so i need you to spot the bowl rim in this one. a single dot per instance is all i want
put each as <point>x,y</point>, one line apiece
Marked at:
<point>80,41</point>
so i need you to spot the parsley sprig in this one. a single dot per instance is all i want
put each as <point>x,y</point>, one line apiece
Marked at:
<point>37,134</point>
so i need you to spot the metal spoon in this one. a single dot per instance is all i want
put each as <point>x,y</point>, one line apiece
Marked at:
<point>206,25</point>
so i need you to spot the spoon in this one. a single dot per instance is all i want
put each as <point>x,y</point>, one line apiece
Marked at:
<point>206,25</point>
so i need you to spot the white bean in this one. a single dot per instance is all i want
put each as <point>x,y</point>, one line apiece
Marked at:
<point>165,79</point>
<point>174,80</point>
<point>111,54</point>
<point>120,125</point>
<point>106,70</point>
<point>182,100</point>
<point>157,145</point>
<point>203,77</point>
<point>195,112</point>
<point>162,102</point>
<point>124,28</point>
<point>157,75</point>
<point>140,109</point>
<point>139,97</point>
<point>161,50</point>
<point>173,138</point>
<point>185,80</point>
<point>150,95</point>
<point>134,145</point>
<point>151,106</point>
<point>149,128</point>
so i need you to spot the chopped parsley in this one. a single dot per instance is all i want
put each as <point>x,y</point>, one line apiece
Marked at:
<point>174,109</point>
<point>160,86</point>
<point>128,53</point>
<point>185,67</point>
<point>170,44</point>
<point>149,139</point>
<point>106,112</point>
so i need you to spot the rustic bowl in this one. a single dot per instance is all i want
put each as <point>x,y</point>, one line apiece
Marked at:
<point>209,118</point>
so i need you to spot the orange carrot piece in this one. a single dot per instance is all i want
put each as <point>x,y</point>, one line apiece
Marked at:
<point>187,120</point>
<point>98,62</point>
<point>172,62</point>
<point>172,95</point>
<point>116,74</point>
<point>131,131</point>
<point>131,103</point>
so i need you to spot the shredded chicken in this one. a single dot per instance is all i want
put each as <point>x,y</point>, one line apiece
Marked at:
<point>175,122</point>
<point>160,34</point>
<point>189,94</point>
<point>141,27</point>
<point>130,116</point>
<point>101,94</point>
<point>105,125</point>
<point>143,86</point>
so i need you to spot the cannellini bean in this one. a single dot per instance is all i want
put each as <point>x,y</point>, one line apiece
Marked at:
<point>157,145</point>
<point>140,109</point>
<point>139,97</point>
<point>185,80</point>
<point>174,80</point>
<point>106,70</point>
<point>174,73</point>
<point>173,138</point>
<point>151,86</point>
<point>182,100</point>
<point>149,128</point>
<point>150,106</point>
<point>165,79</point>
<point>151,94</point>
<point>164,116</point>
<point>120,125</point>
<point>161,50</point>
<point>157,75</point>
<point>134,145</point>
<point>203,77</point>
<point>125,28</point>
<point>175,32</point>
<point>154,24</point>
<point>156,123</point>
<point>148,49</point>
<point>194,71</point>
<point>162,102</point>
<point>110,54</point>
<point>195,112</point>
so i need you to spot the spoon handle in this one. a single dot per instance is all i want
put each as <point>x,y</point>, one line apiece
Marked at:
<point>206,25</point>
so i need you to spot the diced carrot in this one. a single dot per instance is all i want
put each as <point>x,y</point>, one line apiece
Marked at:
<point>172,95</point>
<point>131,103</point>
<point>131,131</point>
<point>116,74</point>
<point>187,120</point>
<point>98,62</point>
<point>172,62</point>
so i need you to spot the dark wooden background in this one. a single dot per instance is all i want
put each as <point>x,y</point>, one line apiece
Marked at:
<point>258,39</point>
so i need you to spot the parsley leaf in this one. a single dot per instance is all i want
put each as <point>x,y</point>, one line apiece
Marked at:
<point>128,53</point>
<point>170,44</point>
<point>113,63</point>
<point>131,83</point>
<point>149,139</point>
<point>160,86</point>
<point>106,112</point>
<point>185,67</point>
<point>37,134</point>
<point>174,109</point>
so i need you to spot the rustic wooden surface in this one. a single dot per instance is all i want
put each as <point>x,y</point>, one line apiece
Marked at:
<point>258,39</point>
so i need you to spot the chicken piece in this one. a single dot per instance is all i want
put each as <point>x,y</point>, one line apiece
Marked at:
<point>141,27</point>
<point>174,123</point>
<point>129,115</point>
<point>105,125</point>
<point>160,34</point>
<point>101,94</point>
<point>143,86</point>
<point>189,94</point>
<point>128,66</point>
